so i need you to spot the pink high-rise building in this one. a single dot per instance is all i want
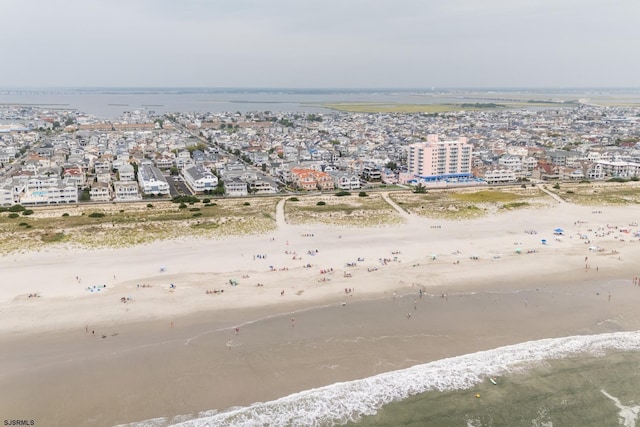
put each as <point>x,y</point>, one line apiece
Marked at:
<point>436,160</point>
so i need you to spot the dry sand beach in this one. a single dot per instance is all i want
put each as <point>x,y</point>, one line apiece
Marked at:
<point>188,325</point>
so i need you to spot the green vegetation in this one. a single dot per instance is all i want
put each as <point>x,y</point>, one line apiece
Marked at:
<point>607,193</point>
<point>294,199</point>
<point>52,237</point>
<point>515,205</point>
<point>342,193</point>
<point>113,227</point>
<point>420,189</point>
<point>466,204</point>
<point>363,194</point>
<point>486,196</point>
<point>84,195</point>
<point>185,199</point>
<point>352,212</point>
<point>16,208</point>
<point>480,106</point>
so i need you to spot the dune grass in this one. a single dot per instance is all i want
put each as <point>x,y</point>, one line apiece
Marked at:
<point>599,194</point>
<point>350,210</point>
<point>133,224</point>
<point>469,204</point>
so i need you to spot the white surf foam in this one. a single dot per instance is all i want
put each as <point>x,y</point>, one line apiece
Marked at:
<point>628,414</point>
<point>347,401</point>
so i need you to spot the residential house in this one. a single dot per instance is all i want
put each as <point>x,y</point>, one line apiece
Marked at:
<point>345,180</point>
<point>74,176</point>
<point>100,192</point>
<point>151,180</point>
<point>126,172</point>
<point>126,191</point>
<point>199,179</point>
<point>235,187</point>
<point>498,176</point>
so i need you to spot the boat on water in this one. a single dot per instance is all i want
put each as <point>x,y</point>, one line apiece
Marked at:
<point>493,381</point>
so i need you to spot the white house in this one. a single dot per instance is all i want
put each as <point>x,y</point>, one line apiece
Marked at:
<point>6,195</point>
<point>126,191</point>
<point>151,180</point>
<point>235,187</point>
<point>345,181</point>
<point>126,172</point>
<point>496,176</point>
<point>199,179</point>
<point>100,192</point>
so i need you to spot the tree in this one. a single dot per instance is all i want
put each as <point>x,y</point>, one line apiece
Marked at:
<point>391,165</point>
<point>219,191</point>
<point>264,167</point>
<point>85,196</point>
<point>420,189</point>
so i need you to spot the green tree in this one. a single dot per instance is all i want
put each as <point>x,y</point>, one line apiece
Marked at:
<point>391,165</point>
<point>85,196</point>
<point>420,189</point>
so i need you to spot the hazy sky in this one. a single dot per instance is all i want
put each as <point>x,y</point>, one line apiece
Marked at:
<point>320,43</point>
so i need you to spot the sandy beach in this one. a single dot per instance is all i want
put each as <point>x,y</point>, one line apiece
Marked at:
<point>113,336</point>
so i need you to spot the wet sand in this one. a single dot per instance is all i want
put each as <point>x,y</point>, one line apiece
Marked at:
<point>151,369</point>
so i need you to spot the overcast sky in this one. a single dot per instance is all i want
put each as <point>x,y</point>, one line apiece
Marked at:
<point>320,43</point>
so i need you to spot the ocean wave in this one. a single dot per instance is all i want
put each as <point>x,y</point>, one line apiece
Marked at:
<point>339,403</point>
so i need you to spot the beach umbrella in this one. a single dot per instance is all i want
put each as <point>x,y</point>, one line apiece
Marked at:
<point>544,241</point>
<point>558,231</point>
<point>518,250</point>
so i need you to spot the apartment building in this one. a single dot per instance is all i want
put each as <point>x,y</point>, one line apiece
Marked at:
<point>438,160</point>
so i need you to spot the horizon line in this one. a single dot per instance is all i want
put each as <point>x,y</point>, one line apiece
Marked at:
<point>337,88</point>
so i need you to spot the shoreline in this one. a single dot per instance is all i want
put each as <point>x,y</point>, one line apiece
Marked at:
<point>172,351</point>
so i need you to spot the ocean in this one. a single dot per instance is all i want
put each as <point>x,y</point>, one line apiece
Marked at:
<point>591,380</point>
